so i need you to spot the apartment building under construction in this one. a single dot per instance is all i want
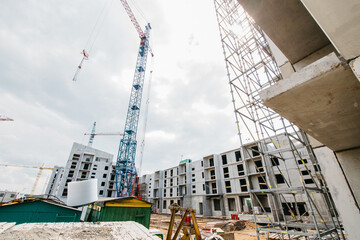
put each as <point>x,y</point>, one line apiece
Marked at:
<point>84,163</point>
<point>217,184</point>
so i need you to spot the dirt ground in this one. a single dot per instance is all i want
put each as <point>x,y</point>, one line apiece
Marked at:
<point>162,221</point>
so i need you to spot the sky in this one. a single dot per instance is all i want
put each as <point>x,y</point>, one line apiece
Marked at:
<point>190,113</point>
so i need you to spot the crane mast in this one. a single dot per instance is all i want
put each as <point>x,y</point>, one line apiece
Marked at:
<point>92,135</point>
<point>125,170</point>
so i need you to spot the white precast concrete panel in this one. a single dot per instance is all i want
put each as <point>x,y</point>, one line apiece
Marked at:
<point>82,193</point>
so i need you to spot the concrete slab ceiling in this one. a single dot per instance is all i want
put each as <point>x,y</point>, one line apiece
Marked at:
<point>341,22</point>
<point>289,25</point>
<point>323,99</point>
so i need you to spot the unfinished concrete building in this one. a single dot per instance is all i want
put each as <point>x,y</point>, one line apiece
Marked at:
<point>315,88</point>
<point>84,163</point>
<point>217,184</point>
<point>320,90</point>
<point>7,196</point>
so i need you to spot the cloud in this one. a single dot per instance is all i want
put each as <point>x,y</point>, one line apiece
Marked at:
<point>190,112</point>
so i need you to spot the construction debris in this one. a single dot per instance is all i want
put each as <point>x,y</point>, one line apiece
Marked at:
<point>79,231</point>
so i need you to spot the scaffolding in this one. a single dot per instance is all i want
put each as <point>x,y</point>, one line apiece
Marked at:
<point>288,177</point>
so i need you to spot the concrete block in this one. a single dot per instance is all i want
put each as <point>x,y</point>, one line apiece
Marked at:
<point>314,143</point>
<point>286,70</point>
<point>340,20</point>
<point>355,67</point>
<point>314,57</point>
<point>322,99</point>
<point>289,25</point>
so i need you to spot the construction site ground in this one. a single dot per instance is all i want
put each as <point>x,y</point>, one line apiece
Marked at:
<point>247,232</point>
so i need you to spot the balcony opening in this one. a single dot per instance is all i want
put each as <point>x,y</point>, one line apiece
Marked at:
<point>228,186</point>
<point>217,206</point>
<point>213,187</point>
<point>243,185</point>
<point>317,168</point>
<point>274,161</point>
<point>224,159</point>
<point>237,156</point>
<point>240,169</point>
<point>308,181</point>
<point>303,161</point>
<point>305,172</point>
<point>212,174</point>
<point>255,151</point>
<point>64,194</point>
<point>73,165</point>
<point>211,162</point>
<point>290,207</point>
<point>231,204</point>
<point>226,172</point>
<point>86,166</point>
<point>279,178</point>
<point>262,183</point>
<point>259,166</point>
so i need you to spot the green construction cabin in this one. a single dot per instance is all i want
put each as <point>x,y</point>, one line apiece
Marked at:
<point>119,209</point>
<point>38,210</point>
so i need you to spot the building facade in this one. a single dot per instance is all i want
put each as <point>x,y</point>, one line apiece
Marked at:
<point>217,184</point>
<point>84,163</point>
<point>7,196</point>
<point>318,53</point>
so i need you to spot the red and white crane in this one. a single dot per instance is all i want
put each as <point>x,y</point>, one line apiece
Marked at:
<point>5,118</point>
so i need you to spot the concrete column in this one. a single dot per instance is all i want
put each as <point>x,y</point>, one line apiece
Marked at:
<point>341,192</point>
<point>350,163</point>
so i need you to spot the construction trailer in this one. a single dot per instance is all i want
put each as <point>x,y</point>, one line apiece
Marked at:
<point>38,211</point>
<point>119,209</point>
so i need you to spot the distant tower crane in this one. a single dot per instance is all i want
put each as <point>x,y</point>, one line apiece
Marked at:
<point>93,134</point>
<point>41,168</point>
<point>5,118</point>
<point>125,170</point>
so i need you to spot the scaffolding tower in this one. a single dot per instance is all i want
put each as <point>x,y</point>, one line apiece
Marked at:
<point>287,171</point>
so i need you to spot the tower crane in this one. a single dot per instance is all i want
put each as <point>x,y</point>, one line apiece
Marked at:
<point>125,170</point>
<point>5,118</point>
<point>93,134</point>
<point>41,168</point>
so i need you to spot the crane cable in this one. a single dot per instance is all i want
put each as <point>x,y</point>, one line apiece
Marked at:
<point>145,19</point>
<point>142,146</point>
<point>139,10</point>
<point>93,36</point>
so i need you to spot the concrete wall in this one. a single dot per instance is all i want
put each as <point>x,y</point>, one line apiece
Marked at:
<point>6,196</point>
<point>99,165</point>
<point>195,192</point>
<point>289,25</point>
<point>54,181</point>
<point>340,20</point>
<point>350,163</point>
<point>340,191</point>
